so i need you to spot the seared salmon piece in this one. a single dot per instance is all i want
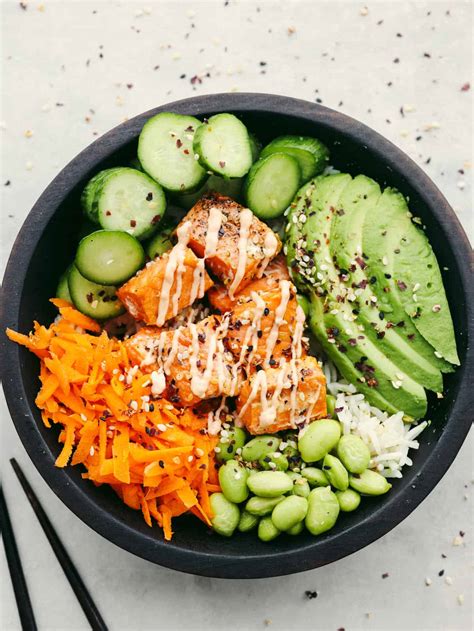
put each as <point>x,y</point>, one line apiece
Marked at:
<point>192,360</point>
<point>236,245</point>
<point>165,286</point>
<point>266,326</point>
<point>286,397</point>
<point>198,366</point>
<point>144,346</point>
<point>218,295</point>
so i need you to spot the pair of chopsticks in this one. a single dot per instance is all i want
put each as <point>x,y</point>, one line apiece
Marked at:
<point>20,586</point>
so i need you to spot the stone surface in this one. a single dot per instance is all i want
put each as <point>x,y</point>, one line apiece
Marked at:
<point>73,70</point>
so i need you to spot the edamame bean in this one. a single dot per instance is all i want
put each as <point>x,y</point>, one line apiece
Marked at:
<point>247,522</point>
<point>301,487</point>
<point>276,458</point>
<point>259,447</point>
<point>353,453</point>
<point>318,439</point>
<point>261,506</point>
<point>315,476</point>
<point>336,472</point>
<point>228,445</point>
<point>233,480</point>
<point>226,515</point>
<point>331,405</point>
<point>348,500</point>
<point>269,483</point>
<point>323,510</point>
<point>288,513</point>
<point>297,529</point>
<point>267,531</point>
<point>369,483</point>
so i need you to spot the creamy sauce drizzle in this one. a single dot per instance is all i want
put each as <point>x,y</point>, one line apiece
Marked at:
<point>246,218</point>
<point>173,265</point>
<point>270,247</point>
<point>280,311</point>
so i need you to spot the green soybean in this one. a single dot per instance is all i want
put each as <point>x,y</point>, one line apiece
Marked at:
<point>260,447</point>
<point>297,529</point>
<point>228,445</point>
<point>315,476</point>
<point>348,500</point>
<point>331,405</point>
<point>261,506</point>
<point>369,483</point>
<point>336,472</point>
<point>323,510</point>
<point>233,480</point>
<point>276,458</point>
<point>353,453</point>
<point>301,487</point>
<point>247,522</point>
<point>226,515</point>
<point>269,483</point>
<point>288,513</point>
<point>267,531</point>
<point>318,439</point>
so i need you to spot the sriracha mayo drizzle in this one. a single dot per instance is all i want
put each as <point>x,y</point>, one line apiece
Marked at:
<point>246,217</point>
<point>174,263</point>
<point>270,247</point>
<point>280,311</point>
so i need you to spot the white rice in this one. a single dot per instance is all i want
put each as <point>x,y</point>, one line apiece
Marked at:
<point>388,437</point>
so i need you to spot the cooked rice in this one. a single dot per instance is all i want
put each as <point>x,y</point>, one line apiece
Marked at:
<point>388,437</point>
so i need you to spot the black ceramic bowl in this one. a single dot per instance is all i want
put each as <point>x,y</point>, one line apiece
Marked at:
<point>45,246</point>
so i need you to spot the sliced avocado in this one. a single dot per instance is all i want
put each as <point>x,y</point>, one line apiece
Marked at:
<point>357,202</point>
<point>395,389</point>
<point>408,279</point>
<point>343,363</point>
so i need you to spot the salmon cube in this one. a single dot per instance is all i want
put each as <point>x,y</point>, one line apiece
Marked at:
<point>236,245</point>
<point>198,366</point>
<point>286,397</point>
<point>165,286</point>
<point>144,347</point>
<point>220,300</point>
<point>266,326</point>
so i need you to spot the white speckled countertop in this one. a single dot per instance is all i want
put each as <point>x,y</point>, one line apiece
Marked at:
<point>74,69</point>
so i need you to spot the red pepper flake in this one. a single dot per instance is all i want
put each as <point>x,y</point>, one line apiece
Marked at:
<point>155,219</point>
<point>133,223</point>
<point>90,298</point>
<point>108,213</point>
<point>401,285</point>
<point>221,164</point>
<point>190,128</point>
<point>24,6</point>
<point>129,86</point>
<point>385,575</point>
<point>179,143</point>
<point>186,151</point>
<point>465,87</point>
<point>195,80</point>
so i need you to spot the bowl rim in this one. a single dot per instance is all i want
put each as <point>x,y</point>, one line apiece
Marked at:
<point>305,557</point>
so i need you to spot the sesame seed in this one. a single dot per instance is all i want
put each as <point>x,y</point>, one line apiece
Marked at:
<point>428,581</point>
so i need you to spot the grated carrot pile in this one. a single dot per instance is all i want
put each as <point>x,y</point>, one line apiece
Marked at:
<point>157,458</point>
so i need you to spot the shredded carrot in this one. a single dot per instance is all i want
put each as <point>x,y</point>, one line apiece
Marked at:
<point>102,407</point>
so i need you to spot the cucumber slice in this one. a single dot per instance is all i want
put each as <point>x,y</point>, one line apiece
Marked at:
<point>311,154</point>
<point>93,300</point>
<point>130,201</point>
<point>89,194</point>
<point>255,146</point>
<point>165,151</point>
<point>62,290</point>
<point>271,185</point>
<point>161,242</point>
<point>109,257</point>
<point>223,146</point>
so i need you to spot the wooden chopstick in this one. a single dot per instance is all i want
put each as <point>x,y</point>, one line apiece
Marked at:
<point>85,600</point>
<point>20,588</point>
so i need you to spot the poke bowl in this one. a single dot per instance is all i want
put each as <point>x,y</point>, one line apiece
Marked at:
<point>384,391</point>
